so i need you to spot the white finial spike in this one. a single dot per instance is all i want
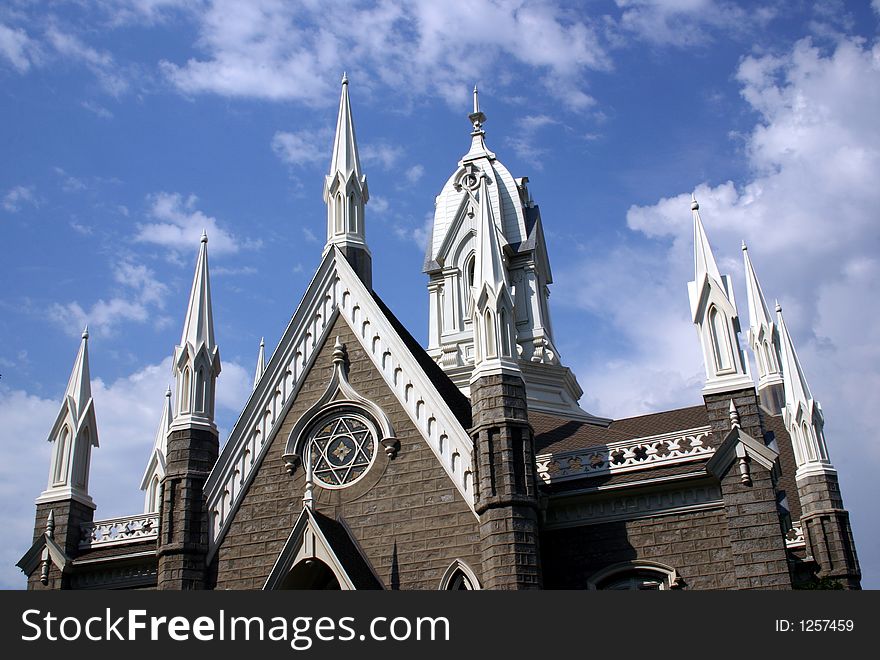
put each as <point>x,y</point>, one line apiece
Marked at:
<point>344,78</point>
<point>778,307</point>
<point>744,247</point>
<point>168,392</point>
<point>261,362</point>
<point>695,205</point>
<point>734,415</point>
<point>204,236</point>
<point>85,332</point>
<point>476,100</point>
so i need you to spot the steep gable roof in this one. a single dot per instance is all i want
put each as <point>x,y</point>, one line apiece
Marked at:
<point>336,291</point>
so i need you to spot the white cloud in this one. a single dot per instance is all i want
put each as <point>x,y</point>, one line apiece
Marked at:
<point>415,173</point>
<point>387,156</point>
<point>127,410</point>
<point>686,23</point>
<point>141,297</point>
<point>303,147</point>
<point>294,51</point>
<point>17,197</point>
<point>100,63</point>
<point>18,48</point>
<point>97,109</point>
<point>180,224</point>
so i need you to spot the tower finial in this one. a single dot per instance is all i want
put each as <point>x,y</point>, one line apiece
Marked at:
<point>85,332</point>
<point>344,78</point>
<point>695,205</point>
<point>477,117</point>
<point>204,236</point>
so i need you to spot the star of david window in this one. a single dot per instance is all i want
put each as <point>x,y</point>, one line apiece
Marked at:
<point>341,449</point>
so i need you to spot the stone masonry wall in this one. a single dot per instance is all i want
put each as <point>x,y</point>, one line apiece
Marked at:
<point>695,544</point>
<point>405,513</point>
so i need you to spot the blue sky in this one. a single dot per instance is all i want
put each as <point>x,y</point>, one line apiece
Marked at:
<point>129,126</point>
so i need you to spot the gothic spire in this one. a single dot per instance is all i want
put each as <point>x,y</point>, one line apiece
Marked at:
<point>156,465</point>
<point>713,310</point>
<point>198,327</point>
<point>261,362</point>
<point>704,260</point>
<point>73,435</point>
<point>345,151</point>
<point>346,194</point>
<point>802,414</point>
<point>197,358</point>
<point>763,338</point>
<point>490,270</point>
<point>478,144</point>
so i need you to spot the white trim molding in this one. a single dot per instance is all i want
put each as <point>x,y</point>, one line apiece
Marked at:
<point>669,578</point>
<point>459,568</point>
<point>335,290</point>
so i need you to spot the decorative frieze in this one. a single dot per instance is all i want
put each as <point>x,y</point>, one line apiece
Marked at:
<point>119,531</point>
<point>576,511</point>
<point>626,456</point>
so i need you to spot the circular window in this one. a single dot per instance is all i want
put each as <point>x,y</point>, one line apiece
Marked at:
<point>341,449</point>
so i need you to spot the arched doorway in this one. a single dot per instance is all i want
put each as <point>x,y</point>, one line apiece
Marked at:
<point>311,574</point>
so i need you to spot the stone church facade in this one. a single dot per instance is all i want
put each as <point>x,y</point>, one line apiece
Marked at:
<point>363,460</point>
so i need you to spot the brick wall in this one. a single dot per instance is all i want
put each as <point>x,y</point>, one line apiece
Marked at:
<point>405,513</point>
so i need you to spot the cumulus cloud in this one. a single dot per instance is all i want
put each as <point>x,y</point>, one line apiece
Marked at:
<point>179,226</point>
<point>303,147</point>
<point>293,51</point>
<point>19,196</point>
<point>141,295</point>
<point>100,63</point>
<point>17,48</point>
<point>127,410</point>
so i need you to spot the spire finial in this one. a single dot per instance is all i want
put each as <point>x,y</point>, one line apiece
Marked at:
<point>734,415</point>
<point>477,118</point>
<point>778,307</point>
<point>744,247</point>
<point>695,205</point>
<point>85,333</point>
<point>344,78</point>
<point>204,236</point>
<point>168,392</point>
<point>338,351</point>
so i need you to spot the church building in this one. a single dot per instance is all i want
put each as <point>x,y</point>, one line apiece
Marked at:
<point>364,460</point>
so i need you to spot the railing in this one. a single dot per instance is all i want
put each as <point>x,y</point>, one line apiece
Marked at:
<point>117,531</point>
<point>626,456</point>
<point>795,536</point>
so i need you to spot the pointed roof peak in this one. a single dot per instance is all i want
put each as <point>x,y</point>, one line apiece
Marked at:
<point>796,387</point>
<point>204,235</point>
<point>198,327</point>
<point>261,362</point>
<point>490,267</point>
<point>85,332</point>
<point>345,158</point>
<point>79,386</point>
<point>704,260</point>
<point>758,313</point>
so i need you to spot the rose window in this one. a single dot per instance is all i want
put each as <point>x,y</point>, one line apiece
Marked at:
<point>341,450</point>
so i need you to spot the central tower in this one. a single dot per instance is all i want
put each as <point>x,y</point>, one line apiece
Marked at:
<point>482,191</point>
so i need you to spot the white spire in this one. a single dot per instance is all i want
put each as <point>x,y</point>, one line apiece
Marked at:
<point>489,269</point>
<point>345,151</point>
<point>198,328</point>
<point>704,260</point>
<point>346,193</point>
<point>491,302</point>
<point>713,310</point>
<point>478,144</point>
<point>261,362</point>
<point>73,435</point>
<point>763,339</point>
<point>803,415</point>
<point>197,358</point>
<point>155,470</point>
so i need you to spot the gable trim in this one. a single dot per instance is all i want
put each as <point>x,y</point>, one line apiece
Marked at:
<point>335,290</point>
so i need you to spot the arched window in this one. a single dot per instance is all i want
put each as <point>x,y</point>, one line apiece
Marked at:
<point>468,281</point>
<point>154,494</point>
<point>80,474</point>
<point>339,226</point>
<point>768,358</point>
<point>200,390</point>
<point>352,219</point>
<point>61,453</point>
<point>635,576</point>
<point>505,333</point>
<point>185,390</point>
<point>489,320</point>
<point>720,340</point>
<point>809,446</point>
<point>459,577</point>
